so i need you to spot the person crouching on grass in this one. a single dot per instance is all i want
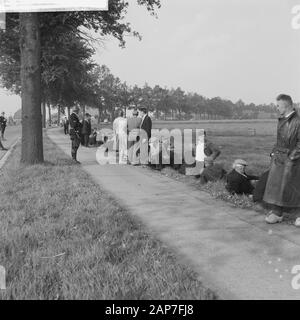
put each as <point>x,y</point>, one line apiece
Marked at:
<point>283,184</point>
<point>238,181</point>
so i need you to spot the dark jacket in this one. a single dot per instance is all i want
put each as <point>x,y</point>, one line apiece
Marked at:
<point>75,126</point>
<point>238,183</point>
<point>146,125</point>
<point>3,122</point>
<point>86,127</point>
<point>210,150</point>
<point>212,173</point>
<point>283,184</point>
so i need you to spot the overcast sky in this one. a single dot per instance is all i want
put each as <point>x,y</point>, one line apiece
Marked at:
<point>228,48</point>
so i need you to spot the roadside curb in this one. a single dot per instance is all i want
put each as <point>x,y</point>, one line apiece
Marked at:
<point>8,153</point>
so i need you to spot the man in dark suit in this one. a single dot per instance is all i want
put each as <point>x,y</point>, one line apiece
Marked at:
<point>86,129</point>
<point>3,122</point>
<point>75,133</point>
<point>66,125</point>
<point>145,135</point>
<point>146,123</point>
<point>238,181</point>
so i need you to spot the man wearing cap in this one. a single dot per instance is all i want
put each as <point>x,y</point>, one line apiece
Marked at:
<point>75,133</point>
<point>211,172</point>
<point>86,129</point>
<point>283,184</point>
<point>238,181</point>
<point>133,125</point>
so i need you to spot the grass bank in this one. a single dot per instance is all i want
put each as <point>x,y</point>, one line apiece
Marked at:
<point>62,237</point>
<point>255,150</point>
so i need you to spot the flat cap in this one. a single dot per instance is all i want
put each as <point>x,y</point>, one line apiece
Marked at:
<point>240,162</point>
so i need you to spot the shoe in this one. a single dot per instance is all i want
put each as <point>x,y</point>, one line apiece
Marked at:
<point>297,222</point>
<point>76,161</point>
<point>273,218</point>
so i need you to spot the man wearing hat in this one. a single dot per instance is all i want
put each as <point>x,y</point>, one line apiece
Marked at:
<point>238,181</point>
<point>133,125</point>
<point>75,133</point>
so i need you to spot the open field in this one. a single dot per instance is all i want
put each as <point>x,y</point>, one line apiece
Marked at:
<point>254,149</point>
<point>63,237</point>
<point>222,127</point>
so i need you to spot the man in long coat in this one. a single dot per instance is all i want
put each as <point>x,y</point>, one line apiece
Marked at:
<point>283,183</point>
<point>75,133</point>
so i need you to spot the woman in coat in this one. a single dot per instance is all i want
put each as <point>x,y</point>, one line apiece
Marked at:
<point>283,183</point>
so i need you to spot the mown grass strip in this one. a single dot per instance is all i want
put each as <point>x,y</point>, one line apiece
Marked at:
<point>62,237</point>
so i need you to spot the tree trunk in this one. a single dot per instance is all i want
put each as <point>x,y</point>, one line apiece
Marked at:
<point>99,115</point>
<point>30,47</point>
<point>58,116</point>
<point>49,114</point>
<point>44,114</point>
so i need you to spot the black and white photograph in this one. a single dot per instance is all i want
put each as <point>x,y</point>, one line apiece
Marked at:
<point>150,151</point>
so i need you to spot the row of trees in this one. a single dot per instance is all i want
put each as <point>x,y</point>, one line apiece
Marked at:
<point>47,58</point>
<point>106,93</point>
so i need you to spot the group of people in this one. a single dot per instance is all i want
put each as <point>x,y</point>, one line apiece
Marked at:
<point>128,135</point>
<point>81,132</point>
<point>3,124</point>
<point>278,188</point>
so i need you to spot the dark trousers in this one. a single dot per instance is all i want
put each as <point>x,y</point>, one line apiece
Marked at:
<point>86,140</point>
<point>66,129</point>
<point>75,145</point>
<point>2,132</point>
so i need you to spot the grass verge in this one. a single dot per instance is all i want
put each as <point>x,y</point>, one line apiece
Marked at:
<point>62,237</point>
<point>255,150</point>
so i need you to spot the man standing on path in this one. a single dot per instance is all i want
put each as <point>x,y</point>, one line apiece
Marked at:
<point>283,183</point>
<point>66,125</point>
<point>75,133</point>
<point>86,129</point>
<point>120,132</point>
<point>146,127</point>
<point>3,123</point>
<point>133,127</point>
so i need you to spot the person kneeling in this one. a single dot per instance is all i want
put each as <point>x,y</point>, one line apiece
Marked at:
<point>238,181</point>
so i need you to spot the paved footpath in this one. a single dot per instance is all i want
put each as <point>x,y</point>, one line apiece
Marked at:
<point>12,133</point>
<point>234,252</point>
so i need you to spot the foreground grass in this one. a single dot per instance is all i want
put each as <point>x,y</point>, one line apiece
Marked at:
<point>62,237</point>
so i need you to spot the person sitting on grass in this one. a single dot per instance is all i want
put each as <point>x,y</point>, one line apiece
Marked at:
<point>211,172</point>
<point>238,181</point>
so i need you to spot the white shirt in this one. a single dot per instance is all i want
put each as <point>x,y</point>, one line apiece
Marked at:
<point>143,119</point>
<point>120,125</point>
<point>286,116</point>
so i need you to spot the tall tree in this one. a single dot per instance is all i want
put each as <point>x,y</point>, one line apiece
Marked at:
<point>110,23</point>
<point>30,47</point>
